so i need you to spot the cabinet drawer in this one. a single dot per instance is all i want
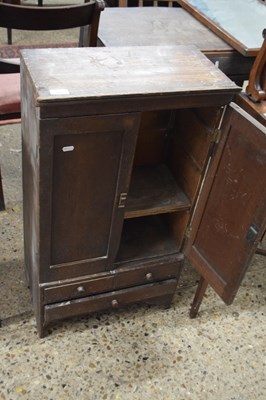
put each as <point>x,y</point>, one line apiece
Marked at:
<point>114,299</point>
<point>78,289</point>
<point>152,271</point>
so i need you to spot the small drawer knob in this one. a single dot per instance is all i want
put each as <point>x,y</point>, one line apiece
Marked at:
<point>114,303</point>
<point>149,276</point>
<point>80,289</point>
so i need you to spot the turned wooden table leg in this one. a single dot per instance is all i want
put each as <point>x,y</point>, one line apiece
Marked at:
<point>201,289</point>
<point>9,30</point>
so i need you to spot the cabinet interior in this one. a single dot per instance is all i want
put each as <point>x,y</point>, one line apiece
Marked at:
<point>170,158</point>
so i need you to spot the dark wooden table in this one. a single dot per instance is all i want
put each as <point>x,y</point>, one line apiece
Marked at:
<point>149,26</point>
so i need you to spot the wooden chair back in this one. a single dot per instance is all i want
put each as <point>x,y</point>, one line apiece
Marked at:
<point>256,88</point>
<point>53,18</point>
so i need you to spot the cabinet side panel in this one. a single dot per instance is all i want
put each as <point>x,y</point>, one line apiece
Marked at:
<point>152,137</point>
<point>189,149</point>
<point>189,146</point>
<point>30,176</point>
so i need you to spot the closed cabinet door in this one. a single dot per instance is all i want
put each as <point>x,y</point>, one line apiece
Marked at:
<point>231,214</point>
<point>85,166</point>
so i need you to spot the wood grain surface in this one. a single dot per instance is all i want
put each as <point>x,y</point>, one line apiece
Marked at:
<point>92,73</point>
<point>149,26</point>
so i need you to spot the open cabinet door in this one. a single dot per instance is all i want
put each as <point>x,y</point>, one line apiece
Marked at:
<point>230,216</point>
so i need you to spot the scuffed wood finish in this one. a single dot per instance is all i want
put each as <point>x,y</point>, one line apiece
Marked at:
<point>153,190</point>
<point>120,298</point>
<point>256,88</point>
<point>251,114</point>
<point>128,273</point>
<point>150,26</point>
<point>231,211</point>
<point>91,243</point>
<point>123,72</point>
<point>92,139</point>
<point>123,275</point>
<point>162,26</point>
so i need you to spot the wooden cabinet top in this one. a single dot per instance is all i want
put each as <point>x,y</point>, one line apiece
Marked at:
<point>63,75</point>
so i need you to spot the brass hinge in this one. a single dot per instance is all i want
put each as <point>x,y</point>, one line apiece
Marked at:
<point>216,136</point>
<point>188,232</point>
<point>122,200</point>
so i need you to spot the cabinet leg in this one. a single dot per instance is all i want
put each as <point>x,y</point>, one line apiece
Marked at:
<point>40,322</point>
<point>201,289</point>
<point>41,330</point>
<point>261,252</point>
<point>42,333</point>
<point>27,278</point>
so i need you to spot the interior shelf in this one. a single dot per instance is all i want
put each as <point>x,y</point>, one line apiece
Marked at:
<point>153,190</point>
<point>146,237</point>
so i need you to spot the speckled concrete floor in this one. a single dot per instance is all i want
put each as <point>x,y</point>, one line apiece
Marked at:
<point>137,353</point>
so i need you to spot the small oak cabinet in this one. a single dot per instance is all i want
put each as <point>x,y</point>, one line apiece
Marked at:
<point>126,155</point>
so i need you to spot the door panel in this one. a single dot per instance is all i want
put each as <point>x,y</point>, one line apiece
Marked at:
<point>85,164</point>
<point>231,213</point>
<point>81,210</point>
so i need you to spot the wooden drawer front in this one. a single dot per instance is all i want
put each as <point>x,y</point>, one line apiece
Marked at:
<point>150,272</point>
<point>119,298</point>
<point>78,289</point>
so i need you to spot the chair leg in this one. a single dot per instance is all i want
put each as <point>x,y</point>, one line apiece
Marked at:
<point>201,289</point>
<point>83,36</point>
<point>9,30</point>
<point>9,35</point>
<point>2,201</point>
